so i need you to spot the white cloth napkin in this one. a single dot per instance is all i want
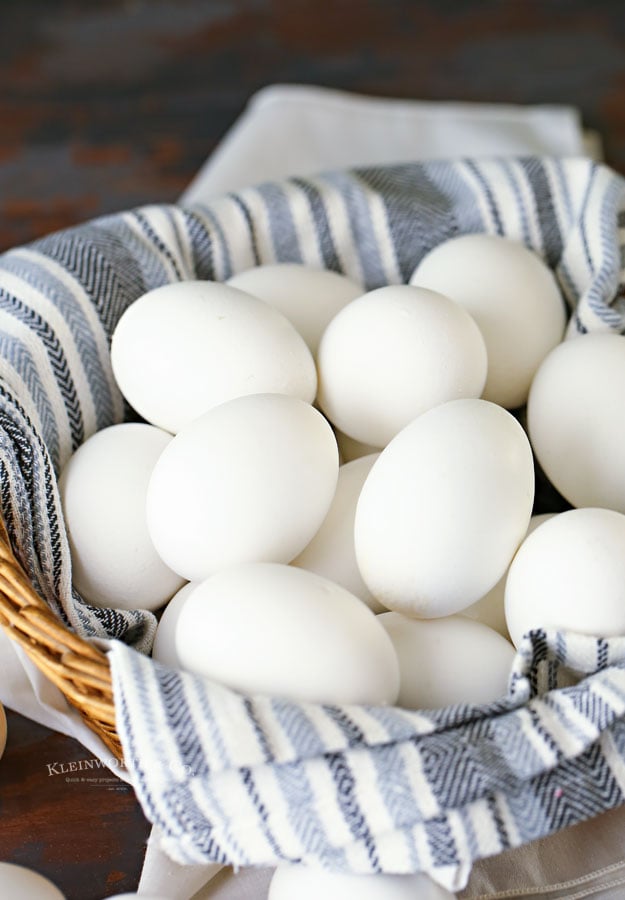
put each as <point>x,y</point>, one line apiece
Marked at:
<point>295,130</point>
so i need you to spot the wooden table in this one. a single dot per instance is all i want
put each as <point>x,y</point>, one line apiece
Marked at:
<point>105,105</point>
<point>67,818</point>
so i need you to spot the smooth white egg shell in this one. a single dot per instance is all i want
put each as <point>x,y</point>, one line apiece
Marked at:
<point>267,628</point>
<point>575,420</point>
<point>511,294</point>
<point>447,661</point>
<point>103,489</point>
<point>186,347</point>
<point>309,297</point>
<point>164,646</point>
<point>331,552</point>
<point>570,574</point>
<point>490,609</point>
<point>392,354</point>
<point>249,481</point>
<point>444,508</point>
<point>308,883</point>
<point>20,883</point>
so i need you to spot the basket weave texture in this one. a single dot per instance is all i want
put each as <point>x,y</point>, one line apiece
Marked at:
<point>78,668</point>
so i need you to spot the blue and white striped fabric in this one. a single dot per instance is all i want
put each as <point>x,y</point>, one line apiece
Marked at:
<point>252,780</point>
<point>263,781</point>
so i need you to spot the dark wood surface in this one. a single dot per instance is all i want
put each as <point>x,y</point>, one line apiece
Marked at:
<point>65,817</point>
<point>105,105</point>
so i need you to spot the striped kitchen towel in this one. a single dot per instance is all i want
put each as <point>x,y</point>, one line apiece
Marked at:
<point>349,788</point>
<point>254,780</point>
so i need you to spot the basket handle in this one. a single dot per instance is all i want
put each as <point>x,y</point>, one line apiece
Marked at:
<point>79,669</point>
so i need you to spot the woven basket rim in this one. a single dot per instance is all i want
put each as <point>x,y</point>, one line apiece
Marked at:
<point>78,668</point>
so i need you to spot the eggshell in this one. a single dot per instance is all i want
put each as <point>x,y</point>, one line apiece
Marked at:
<point>514,298</point>
<point>575,420</point>
<point>20,883</point>
<point>490,609</point>
<point>309,297</point>
<point>164,646</point>
<point>331,552</point>
<point>103,490</point>
<point>570,574</point>
<point>268,628</point>
<point>447,661</point>
<point>444,508</point>
<point>392,354</point>
<point>249,481</point>
<point>308,883</point>
<point>183,348</point>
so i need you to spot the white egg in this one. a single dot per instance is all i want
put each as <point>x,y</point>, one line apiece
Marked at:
<point>249,481</point>
<point>392,354</point>
<point>447,661</point>
<point>103,490</point>
<point>444,508</point>
<point>268,628</point>
<point>309,297</point>
<point>307,883</point>
<point>490,609</point>
<point>164,646</point>
<point>183,348</point>
<point>331,552</point>
<point>20,883</point>
<point>570,574</point>
<point>514,298</point>
<point>575,420</point>
<point>351,449</point>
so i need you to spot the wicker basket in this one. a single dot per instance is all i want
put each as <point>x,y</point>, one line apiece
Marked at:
<point>78,668</point>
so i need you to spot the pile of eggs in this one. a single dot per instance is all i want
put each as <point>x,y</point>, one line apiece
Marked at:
<point>323,473</point>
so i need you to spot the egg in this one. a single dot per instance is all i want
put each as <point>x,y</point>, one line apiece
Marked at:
<point>103,489</point>
<point>267,628</point>
<point>249,481</point>
<point>392,354</point>
<point>331,552</point>
<point>164,647</point>
<point>20,883</point>
<point>186,347</point>
<point>514,298</point>
<point>570,574</point>
<point>575,420</point>
<point>447,661</point>
<point>309,297</point>
<point>309,883</point>
<point>444,508</point>
<point>490,609</point>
